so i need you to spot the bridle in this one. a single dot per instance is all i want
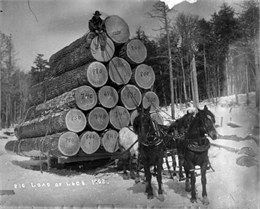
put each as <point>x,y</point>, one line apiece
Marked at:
<point>153,133</point>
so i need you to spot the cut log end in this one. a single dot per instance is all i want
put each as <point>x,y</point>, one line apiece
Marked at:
<point>110,141</point>
<point>119,117</point>
<point>75,120</point>
<point>108,96</point>
<point>131,97</point>
<point>102,53</point>
<point>144,76</point>
<point>86,97</point>
<point>119,71</point>
<point>117,29</point>
<point>69,144</point>
<point>97,74</point>
<point>89,142</point>
<point>98,119</point>
<point>150,99</point>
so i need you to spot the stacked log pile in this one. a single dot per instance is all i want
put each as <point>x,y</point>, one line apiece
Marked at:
<point>88,97</point>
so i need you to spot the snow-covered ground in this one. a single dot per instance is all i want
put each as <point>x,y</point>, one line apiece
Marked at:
<point>234,184</point>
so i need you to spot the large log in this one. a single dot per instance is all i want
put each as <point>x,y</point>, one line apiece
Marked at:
<point>130,96</point>
<point>119,71</point>
<point>98,119</point>
<point>108,96</point>
<point>83,55</point>
<point>119,117</point>
<point>102,54</point>
<point>58,145</point>
<point>117,29</point>
<point>109,140</point>
<point>133,51</point>
<point>67,49</point>
<point>143,76</point>
<point>89,142</point>
<point>72,120</point>
<point>150,99</point>
<point>83,97</point>
<point>94,73</point>
<point>86,97</point>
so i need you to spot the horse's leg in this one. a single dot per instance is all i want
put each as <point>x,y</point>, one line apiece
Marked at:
<point>193,182</point>
<point>137,177</point>
<point>168,165</point>
<point>173,154</point>
<point>181,162</point>
<point>203,169</point>
<point>187,182</point>
<point>148,176</point>
<point>132,175</point>
<point>159,178</point>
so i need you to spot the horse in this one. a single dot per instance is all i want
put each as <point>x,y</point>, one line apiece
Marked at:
<point>176,131</point>
<point>151,149</point>
<point>194,148</point>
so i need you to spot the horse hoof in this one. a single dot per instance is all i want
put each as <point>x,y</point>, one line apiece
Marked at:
<point>193,200</point>
<point>150,196</point>
<point>161,197</point>
<point>205,200</point>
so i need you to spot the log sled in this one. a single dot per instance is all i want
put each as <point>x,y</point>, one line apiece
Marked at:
<point>89,94</point>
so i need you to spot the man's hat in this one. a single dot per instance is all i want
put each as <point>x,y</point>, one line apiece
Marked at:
<point>97,13</point>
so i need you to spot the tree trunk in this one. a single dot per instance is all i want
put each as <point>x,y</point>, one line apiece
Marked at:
<point>150,99</point>
<point>119,117</point>
<point>94,74</point>
<point>133,51</point>
<point>195,91</point>
<point>98,119</point>
<point>72,120</point>
<point>108,96</point>
<point>120,71</point>
<point>130,97</point>
<point>76,56</point>
<point>58,145</point>
<point>89,142</point>
<point>83,97</point>
<point>143,76</point>
<point>117,29</point>
<point>110,141</point>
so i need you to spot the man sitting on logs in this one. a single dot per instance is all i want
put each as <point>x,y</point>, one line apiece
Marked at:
<point>97,28</point>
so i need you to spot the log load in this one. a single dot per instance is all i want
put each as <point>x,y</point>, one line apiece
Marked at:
<point>81,56</point>
<point>99,54</point>
<point>117,29</point>
<point>130,96</point>
<point>83,97</point>
<point>119,117</point>
<point>72,120</point>
<point>133,51</point>
<point>94,73</point>
<point>58,145</point>
<point>89,142</point>
<point>120,71</point>
<point>143,76</point>
<point>98,119</point>
<point>108,96</point>
<point>150,99</point>
<point>109,140</point>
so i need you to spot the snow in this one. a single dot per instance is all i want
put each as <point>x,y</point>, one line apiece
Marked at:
<point>230,186</point>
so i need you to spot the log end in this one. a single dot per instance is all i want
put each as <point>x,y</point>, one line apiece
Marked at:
<point>110,141</point>
<point>131,96</point>
<point>150,99</point>
<point>86,97</point>
<point>119,117</point>
<point>75,120</point>
<point>69,144</point>
<point>89,142</point>
<point>108,96</point>
<point>144,76</point>
<point>98,118</point>
<point>97,74</point>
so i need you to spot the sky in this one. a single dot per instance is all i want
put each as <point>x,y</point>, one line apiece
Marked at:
<point>46,26</point>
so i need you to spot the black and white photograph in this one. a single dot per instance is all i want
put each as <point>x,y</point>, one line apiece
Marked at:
<point>114,104</point>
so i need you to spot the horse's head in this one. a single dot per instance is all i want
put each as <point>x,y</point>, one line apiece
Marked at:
<point>203,123</point>
<point>143,126</point>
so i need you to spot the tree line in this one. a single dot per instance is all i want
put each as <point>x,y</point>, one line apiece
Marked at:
<point>226,48</point>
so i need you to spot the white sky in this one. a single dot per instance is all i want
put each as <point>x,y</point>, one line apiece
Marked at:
<point>60,22</point>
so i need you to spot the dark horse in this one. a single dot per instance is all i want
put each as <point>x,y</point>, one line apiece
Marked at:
<point>151,149</point>
<point>194,148</point>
